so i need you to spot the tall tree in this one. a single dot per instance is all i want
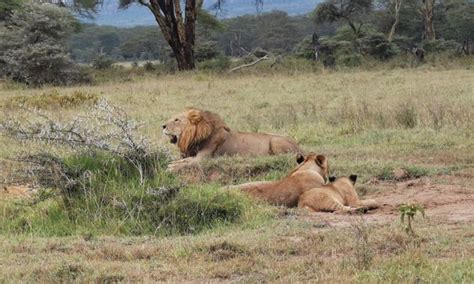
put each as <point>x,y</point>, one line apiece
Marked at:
<point>427,13</point>
<point>177,25</point>
<point>396,6</point>
<point>350,11</point>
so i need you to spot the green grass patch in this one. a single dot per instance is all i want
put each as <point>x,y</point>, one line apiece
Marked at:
<point>413,267</point>
<point>107,196</point>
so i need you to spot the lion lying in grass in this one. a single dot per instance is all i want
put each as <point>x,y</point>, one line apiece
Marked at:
<point>202,134</point>
<point>337,196</point>
<point>311,172</point>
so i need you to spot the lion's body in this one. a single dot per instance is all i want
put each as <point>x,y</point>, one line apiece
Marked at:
<point>309,174</point>
<point>203,134</point>
<point>255,144</point>
<point>339,195</point>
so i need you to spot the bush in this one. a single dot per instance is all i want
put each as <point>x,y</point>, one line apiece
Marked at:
<point>305,48</point>
<point>377,46</point>
<point>32,47</point>
<point>206,51</point>
<point>102,62</point>
<point>219,64</point>
<point>441,45</point>
<point>149,66</point>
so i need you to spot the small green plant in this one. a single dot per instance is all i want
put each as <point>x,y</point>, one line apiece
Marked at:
<point>408,212</point>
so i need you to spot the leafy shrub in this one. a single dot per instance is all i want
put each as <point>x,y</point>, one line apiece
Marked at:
<point>102,62</point>
<point>32,48</point>
<point>219,64</point>
<point>206,51</point>
<point>377,46</point>
<point>149,66</point>
<point>441,45</point>
<point>305,48</point>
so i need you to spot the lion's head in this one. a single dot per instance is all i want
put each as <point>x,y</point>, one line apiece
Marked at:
<point>192,127</point>
<point>312,162</point>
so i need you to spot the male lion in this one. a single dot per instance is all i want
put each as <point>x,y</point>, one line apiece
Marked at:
<point>311,172</point>
<point>338,195</point>
<point>201,134</point>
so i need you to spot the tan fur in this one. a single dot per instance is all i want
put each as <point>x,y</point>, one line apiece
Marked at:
<point>311,173</point>
<point>339,195</point>
<point>201,134</point>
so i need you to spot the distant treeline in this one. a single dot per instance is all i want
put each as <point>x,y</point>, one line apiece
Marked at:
<point>275,32</point>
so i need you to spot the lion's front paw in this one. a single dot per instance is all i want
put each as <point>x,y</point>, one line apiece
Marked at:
<point>176,166</point>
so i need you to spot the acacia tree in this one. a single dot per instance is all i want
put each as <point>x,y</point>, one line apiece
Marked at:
<point>350,11</point>
<point>427,14</point>
<point>396,6</point>
<point>178,25</point>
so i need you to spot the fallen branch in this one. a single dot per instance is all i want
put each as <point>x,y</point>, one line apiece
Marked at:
<point>248,65</point>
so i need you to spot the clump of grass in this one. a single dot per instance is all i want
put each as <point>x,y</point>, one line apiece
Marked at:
<point>112,199</point>
<point>54,100</point>
<point>406,116</point>
<point>69,272</point>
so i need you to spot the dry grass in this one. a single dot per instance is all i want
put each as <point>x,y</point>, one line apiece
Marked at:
<point>366,122</point>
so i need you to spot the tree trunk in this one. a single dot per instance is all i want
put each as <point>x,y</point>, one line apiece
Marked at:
<point>178,32</point>
<point>427,12</point>
<point>396,8</point>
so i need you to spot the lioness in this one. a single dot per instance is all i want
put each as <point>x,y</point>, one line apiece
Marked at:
<point>311,172</point>
<point>339,195</point>
<point>201,134</point>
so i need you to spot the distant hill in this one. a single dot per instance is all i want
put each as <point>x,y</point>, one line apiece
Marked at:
<point>135,15</point>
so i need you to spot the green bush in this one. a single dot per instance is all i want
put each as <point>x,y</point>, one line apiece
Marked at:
<point>305,48</point>
<point>32,48</point>
<point>149,66</point>
<point>441,45</point>
<point>102,62</point>
<point>206,51</point>
<point>376,45</point>
<point>219,64</point>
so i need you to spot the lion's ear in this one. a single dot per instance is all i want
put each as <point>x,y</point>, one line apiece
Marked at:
<point>353,178</point>
<point>322,161</point>
<point>194,116</point>
<point>299,158</point>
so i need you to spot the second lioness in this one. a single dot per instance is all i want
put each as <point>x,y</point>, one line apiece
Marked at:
<point>339,195</point>
<point>311,172</point>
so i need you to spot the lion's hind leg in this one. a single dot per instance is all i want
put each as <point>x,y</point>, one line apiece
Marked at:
<point>321,202</point>
<point>368,204</point>
<point>283,145</point>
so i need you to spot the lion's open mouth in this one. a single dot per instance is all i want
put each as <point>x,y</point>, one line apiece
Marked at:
<point>173,139</point>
